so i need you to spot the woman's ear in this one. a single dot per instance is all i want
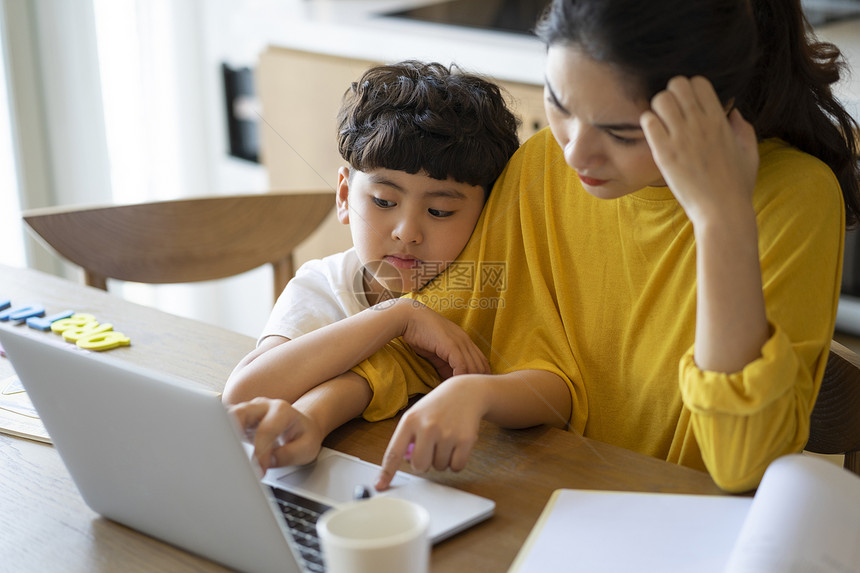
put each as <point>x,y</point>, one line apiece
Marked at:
<point>342,199</point>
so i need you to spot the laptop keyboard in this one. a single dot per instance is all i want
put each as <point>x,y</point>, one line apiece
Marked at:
<point>302,515</point>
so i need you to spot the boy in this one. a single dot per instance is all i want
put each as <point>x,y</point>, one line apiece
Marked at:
<point>423,145</point>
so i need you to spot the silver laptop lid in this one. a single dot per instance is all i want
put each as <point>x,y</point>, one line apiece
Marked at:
<point>163,458</point>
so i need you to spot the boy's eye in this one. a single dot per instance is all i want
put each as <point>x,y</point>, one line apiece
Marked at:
<point>384,203</point>
<point>439,213</point>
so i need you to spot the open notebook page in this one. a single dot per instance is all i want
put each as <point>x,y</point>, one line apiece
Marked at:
<point>805,517</point>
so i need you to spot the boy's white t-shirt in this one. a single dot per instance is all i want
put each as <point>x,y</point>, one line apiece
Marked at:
<point>323,292</point>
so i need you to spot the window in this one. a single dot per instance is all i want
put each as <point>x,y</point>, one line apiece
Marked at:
<point>11,239</point>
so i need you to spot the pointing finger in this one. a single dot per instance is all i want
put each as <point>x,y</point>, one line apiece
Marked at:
<point>398,449</point>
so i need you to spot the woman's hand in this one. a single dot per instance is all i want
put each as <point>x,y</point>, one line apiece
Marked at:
<point>711,164</point>
<point>281,434</point>
<point>443,343</point>
<point>708,159</point>
<point>443,426</point>
<point>438,431</point>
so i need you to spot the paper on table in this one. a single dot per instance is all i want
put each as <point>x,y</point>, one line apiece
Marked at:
<point>600,531</point>
<point>18,417</point>
<point>805,517</point>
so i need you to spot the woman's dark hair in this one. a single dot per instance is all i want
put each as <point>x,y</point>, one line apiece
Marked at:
<point>416,116</point>
<point>760,55</point>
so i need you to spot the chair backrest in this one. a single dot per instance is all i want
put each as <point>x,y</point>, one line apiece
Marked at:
<point>185,240</point>
<point>835,420</point>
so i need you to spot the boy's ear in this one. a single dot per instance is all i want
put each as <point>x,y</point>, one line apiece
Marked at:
<point>342,199</point>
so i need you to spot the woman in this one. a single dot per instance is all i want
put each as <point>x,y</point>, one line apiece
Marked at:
<point>671,248</point>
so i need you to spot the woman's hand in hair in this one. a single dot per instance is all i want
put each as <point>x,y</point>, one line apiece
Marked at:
<point>710,161</point>
<point>708,158</point>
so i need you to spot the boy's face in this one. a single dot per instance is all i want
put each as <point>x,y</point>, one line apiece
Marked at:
<point>406,228</point>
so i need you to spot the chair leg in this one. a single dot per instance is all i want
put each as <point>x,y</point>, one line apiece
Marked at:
<point>283,272</point>
<point>852,461</point>
<point>95,280</point>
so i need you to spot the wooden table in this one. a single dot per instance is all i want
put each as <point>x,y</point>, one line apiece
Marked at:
<point>45,525</point>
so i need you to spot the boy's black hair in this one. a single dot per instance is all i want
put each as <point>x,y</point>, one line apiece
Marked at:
<point>415,116</point>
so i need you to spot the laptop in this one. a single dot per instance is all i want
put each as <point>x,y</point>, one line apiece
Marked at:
<point>163,456</point>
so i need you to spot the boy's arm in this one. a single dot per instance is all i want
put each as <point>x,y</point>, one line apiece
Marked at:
<point>287,434</point>
<point>443,425</point>
<point>286,369</point>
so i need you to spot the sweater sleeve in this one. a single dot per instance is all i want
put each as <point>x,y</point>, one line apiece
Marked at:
<point>395,374</point>
<point>744,420</point>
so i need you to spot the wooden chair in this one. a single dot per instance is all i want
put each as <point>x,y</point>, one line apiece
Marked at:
<point>185,240</point>
<point>835,421</point>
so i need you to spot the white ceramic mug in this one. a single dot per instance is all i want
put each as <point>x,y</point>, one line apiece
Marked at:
<point>376,535</point>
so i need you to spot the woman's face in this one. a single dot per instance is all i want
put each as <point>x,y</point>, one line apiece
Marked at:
<point>595,120</point>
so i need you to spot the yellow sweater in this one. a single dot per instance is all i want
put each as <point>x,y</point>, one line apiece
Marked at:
<point>603,293</point>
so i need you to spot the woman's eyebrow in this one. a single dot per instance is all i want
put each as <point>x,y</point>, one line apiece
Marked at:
<point>603,126</point>
<point>619,126</point>
<point>553,97</point>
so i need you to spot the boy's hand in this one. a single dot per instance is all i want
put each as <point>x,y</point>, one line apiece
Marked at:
<point>443,343</point>
<point>282,435</point>
<point>441,429</point>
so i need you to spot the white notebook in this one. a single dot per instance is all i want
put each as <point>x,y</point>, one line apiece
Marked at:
<point>805,516</point>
